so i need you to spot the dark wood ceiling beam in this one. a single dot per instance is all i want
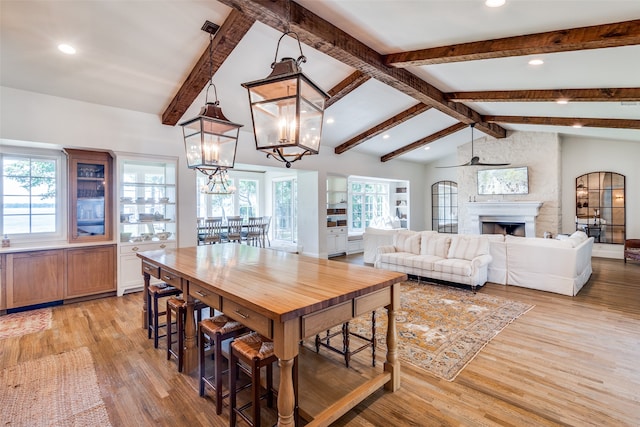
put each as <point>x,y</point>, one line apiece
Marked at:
<point>575,95</point>
<point>567,121</point>
<point>224,41</point>
<point>594,37</point>
<point>327,38</point>
<point>345,87</point>
<point>424,141</point>
<point>382,127</point>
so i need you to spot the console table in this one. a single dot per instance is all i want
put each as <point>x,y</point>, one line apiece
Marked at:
<point>284,297</point>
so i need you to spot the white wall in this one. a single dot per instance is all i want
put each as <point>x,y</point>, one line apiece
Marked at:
<point>37,118</point>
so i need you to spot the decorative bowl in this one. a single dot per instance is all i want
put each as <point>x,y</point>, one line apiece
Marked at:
<point>163,235</point>
<point>136,239</point>
<point>146,236</point>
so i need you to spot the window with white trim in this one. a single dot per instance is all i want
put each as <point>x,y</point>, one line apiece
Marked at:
<point>32,194</point>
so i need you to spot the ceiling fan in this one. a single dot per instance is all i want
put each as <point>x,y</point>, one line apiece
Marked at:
<point>475,160</point>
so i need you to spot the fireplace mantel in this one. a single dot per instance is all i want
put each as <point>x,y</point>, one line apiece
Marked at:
<point>525,212</point>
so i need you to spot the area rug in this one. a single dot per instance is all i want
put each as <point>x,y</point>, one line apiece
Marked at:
<point>57,390</point>
<point>25,322</point>
<point>442,328</point>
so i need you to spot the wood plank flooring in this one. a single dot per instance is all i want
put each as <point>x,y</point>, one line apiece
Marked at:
<point>568,361</point>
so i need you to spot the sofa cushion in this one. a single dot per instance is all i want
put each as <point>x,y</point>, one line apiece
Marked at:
<point>468,247</point>
<point>458,267</point>
<point>435,244</point>
<point>407,241</point>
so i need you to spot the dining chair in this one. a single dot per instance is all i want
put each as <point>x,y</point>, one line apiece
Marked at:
<point>266,223</point>
<point>234,229</point>
<point>213,230</point>
<point>254,233</point>
<point>200,230</point>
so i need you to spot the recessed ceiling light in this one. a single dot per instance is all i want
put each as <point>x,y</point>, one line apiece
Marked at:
<point>385,136</point>
<point>494,3</point>
<point>65,48</point>
<point>427,148</point>
<point>562,101</point>
<point>330,120</point>
<point>577,126</point>
<point>536,62</point>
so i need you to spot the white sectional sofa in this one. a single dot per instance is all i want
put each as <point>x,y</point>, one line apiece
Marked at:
<point>449,257</point>
<point>561,266</point>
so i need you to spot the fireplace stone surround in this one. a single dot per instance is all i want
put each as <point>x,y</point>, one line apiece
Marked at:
<point>524,212</point>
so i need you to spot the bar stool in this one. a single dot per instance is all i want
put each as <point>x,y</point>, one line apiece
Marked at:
<point>219,328</point>
<point>178,307</point>
<point>346,343</point>
<point>256,352</point>
<point>154,293</point>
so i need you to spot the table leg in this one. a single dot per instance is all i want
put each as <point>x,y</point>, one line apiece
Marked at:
<point>145,293</point>
<point>392,364</point>
<point>190,351</point>
<point>286,394</point>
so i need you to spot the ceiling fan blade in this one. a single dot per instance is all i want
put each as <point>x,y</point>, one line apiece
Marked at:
<point>454,166</point>
<point>492,164</point>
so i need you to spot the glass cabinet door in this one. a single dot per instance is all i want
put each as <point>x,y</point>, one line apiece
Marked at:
<point>89,196</point>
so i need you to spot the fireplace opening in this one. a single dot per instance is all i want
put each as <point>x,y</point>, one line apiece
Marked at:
<point>510,228</point>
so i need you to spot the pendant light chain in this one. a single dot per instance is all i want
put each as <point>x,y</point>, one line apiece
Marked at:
<point>215,91</point>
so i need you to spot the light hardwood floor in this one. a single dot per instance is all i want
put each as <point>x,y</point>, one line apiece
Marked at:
<point>568,361</point>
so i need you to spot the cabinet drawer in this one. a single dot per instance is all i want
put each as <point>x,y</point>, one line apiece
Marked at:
<point>212,299</point>
<point>171,278</point>
<point>151,269</point>
<point>132,249</point>
<point>315,323</point>
<point>368,303</point>
<point>247,317</point>
<point>337,230</point>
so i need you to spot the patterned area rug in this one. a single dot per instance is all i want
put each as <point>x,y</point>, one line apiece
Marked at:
<point>58,390</point>
<point>441,328</point>
<point>25,322</point>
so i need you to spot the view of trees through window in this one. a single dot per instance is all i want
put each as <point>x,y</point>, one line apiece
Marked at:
<point>243,202</point>
<point>368,200</point>
<point>285,210</point>
<point>29,195</point>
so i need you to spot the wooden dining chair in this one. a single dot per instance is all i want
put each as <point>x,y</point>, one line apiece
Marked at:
<point>266,223</point>
<point>254,231</point>
<point>234,229</point>
<point>213,231</point>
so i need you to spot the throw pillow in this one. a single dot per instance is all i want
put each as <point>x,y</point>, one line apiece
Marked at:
<point>435,245</point>
<point>468,247</point>
<point>407,241</point>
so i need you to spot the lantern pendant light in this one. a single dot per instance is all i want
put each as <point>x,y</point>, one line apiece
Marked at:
<point>210,139</point>
<point>287,110</point>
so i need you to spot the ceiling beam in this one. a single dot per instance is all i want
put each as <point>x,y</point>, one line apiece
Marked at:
<point>594,37</point>
<point>424,141</point>
<point>567,121</point>
<point>345,87</point>
<point>382,127</point>
<point>575,95</point>
<point>327,38</point>
<point>224,41</point>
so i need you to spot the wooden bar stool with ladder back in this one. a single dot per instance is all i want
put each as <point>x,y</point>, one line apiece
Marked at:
<point>249,354</point>
<point>217,331</point>
<point>177,309</point>
<point>155,293</point>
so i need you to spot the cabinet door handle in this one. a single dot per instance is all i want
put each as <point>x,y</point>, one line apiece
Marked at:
<point>136,249</point>
<point>166,277</point>
<point>162,246</point>
<point>147,268</point>
<point>241,314</point>
<point>201,294</point>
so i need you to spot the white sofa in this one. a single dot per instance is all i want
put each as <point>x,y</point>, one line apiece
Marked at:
<point>374,237</point>
<point>561,266</point>
<point>450,257</point>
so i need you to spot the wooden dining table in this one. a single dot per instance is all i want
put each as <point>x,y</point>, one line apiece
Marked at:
<point>286,298</point>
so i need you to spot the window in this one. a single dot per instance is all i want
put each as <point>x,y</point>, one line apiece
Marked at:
<point>444,205</point>
<point>285,213</point>
<point>600,206</point>
<point>243,202</point>
<point>31,194</point>
<point>368,201</point>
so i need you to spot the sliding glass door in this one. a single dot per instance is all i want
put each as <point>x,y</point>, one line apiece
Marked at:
<point>285,210</point>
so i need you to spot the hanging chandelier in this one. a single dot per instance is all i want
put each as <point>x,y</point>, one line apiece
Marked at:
<point>218,183</point>
<point>287,110</point>
<point>210,139</point>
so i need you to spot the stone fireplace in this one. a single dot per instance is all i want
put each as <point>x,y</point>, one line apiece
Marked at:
<point>517,218</point>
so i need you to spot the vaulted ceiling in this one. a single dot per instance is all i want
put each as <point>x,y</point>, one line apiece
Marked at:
<point>403,75</point>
